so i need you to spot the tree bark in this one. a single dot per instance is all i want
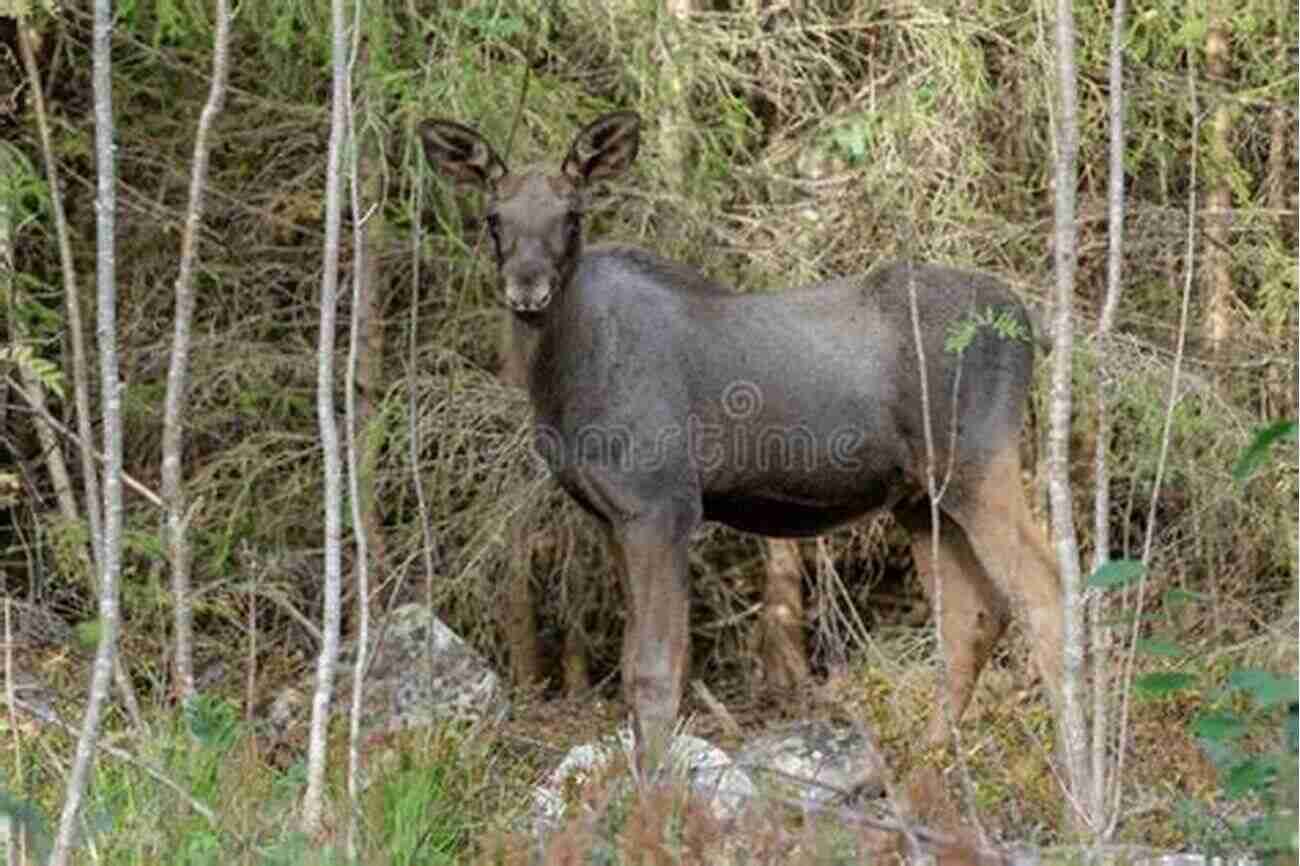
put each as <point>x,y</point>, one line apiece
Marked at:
<point>72,302</point>
<point>1072,726</point>
<point>361,455</point>
<point>1216,269</point>
<point>674,120</point>
<point>106,326</point>
<point>1099,631</point>
<point>175,403</point>
<point>34,387</point>
<point>1281,396</point>
<point>313,799</point>
<point>520,619</point>
<point>371,290</point>
<point>783,650</point>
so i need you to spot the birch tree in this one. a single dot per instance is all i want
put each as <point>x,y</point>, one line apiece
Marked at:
<point>173,437</point>
<point>110,384</point>
<point>327,661</point>
<point>1099,632</point>
<point>1071,719</point>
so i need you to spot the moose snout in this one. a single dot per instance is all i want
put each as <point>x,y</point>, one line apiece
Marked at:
<point>529,291</point>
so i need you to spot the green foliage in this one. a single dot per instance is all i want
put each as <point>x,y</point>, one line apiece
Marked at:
<point>1004,323</point>
<point>27,822</point>
<point>1252,706</point>
<point>1261,448</point>
<point>45,372</point>
<point>424,821</point>
<point>1116,573</point>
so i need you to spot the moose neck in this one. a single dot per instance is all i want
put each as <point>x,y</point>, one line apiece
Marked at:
<point>523,336</point>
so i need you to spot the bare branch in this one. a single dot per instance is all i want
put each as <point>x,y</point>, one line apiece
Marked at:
<point>54,423</point>
<point>71,296</point>
<point>173,434</point>
<point>1189,271</point>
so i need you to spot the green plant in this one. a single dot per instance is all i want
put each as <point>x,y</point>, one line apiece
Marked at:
<point>1247,726</point>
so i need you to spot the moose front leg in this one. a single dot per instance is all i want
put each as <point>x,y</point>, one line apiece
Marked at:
<point>652,555</point>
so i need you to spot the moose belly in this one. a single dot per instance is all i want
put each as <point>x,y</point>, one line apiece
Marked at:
<point>782,517</point>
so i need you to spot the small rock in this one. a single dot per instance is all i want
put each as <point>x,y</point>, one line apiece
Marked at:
<point>420,672</point>
<point>708,770</point>
<point>817,763</point>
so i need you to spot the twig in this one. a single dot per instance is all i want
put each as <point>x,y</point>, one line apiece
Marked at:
<point>1189,269</point>
<point>137,486</point>
<point>723,715</point>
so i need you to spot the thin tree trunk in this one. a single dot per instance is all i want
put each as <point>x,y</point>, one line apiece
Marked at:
<point>783,651</point>
<point>110,563</point>
<point>1280,397</point>
<point>173,436</point>
<point>76,333</point>
<point>1072,730</point>
<point>327,662</point>
<point>577,673</point>
<point>363,293</point>
<point>1217,260</point>
<point>51,450</point>
<point>1099,631</point>
<point>520,613</point>
<point>673,118</point>
<point>371,291</point>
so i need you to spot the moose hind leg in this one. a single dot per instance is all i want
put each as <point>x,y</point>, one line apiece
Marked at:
<point>973,613</point>
<point>1016,558</point>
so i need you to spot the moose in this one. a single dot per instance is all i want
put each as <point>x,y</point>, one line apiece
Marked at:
<point>662,399</point>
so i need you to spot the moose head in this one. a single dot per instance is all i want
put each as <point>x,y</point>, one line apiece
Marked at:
<point>535,215</point>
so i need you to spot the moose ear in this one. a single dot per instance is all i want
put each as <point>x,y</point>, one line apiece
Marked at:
<point>461,152</point>
<point>604,149</point>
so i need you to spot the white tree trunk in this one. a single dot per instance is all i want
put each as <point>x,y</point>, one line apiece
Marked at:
<point>313,805</point>
<point>106,332</point>
<point>358,344</point>
<point>1099,631</point>
<point>1072,731</point>
<point>173,436</point>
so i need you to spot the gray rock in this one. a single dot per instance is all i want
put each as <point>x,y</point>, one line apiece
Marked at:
<point>33,626</point>
<point>816,764</point>
<point>708,770</point>
<point>419,672</point>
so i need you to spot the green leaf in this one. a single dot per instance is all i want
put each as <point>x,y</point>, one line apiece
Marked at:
<point>1160,684</point>
<point>1258,451</point>
<point>87,633</point>
<point>1178,597</point>
<point>1252,774</point>
<point>1267,688</point>
<point>1116,573</point>
<point>1218,726</point>
<point>1157,647</point>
